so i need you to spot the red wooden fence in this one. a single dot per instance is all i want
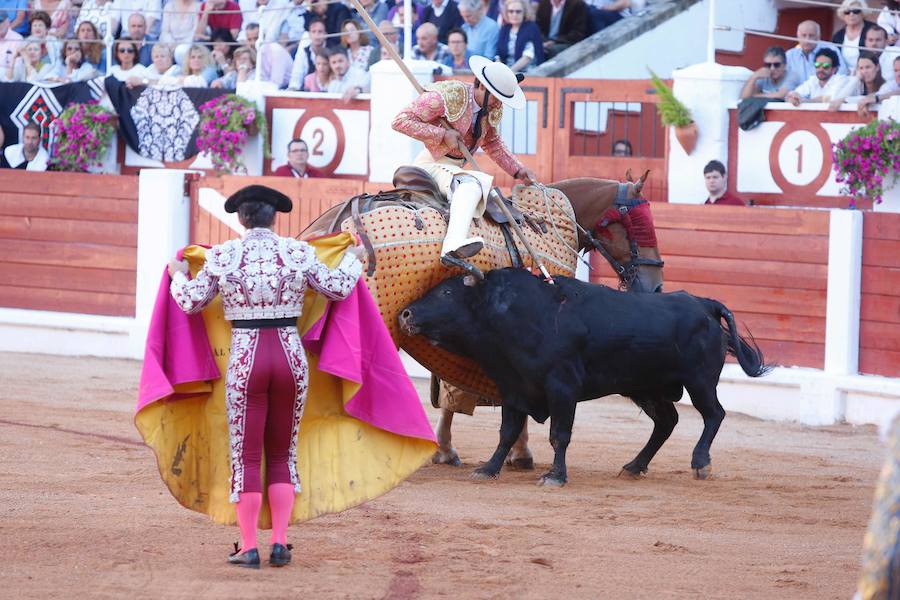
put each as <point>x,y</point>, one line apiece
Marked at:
<point>879,326</point>
<point>68,242</point>
<point>769,266</point>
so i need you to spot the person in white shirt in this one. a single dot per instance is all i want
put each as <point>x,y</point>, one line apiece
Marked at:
<point>30,154</point>
<point>127,69</point>
<point>889,19</point>
<point>28,65</point>
<point>876,41</point>
<point>346,79</point>
<point>9,43</point>
<point>824,85</point>
<point>72,66</point>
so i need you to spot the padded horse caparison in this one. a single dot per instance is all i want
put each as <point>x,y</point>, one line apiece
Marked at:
<point>413,185</point>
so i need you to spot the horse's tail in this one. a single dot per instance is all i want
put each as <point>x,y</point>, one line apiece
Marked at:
<point>746,350</point>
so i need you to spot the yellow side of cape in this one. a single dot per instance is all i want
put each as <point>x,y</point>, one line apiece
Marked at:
<point>342,461</point>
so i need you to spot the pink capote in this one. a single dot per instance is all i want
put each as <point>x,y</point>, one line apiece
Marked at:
<point>177,350</point>
<point>350,338</point>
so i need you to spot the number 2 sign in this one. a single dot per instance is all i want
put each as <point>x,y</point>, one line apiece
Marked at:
<point>325,135</point>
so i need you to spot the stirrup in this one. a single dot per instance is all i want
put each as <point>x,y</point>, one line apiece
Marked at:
<point>448,260</point>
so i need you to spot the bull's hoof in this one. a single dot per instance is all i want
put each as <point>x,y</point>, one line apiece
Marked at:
<point>549,480</point>
<point>632,470</point>
<point>482,474</point>
<point>523,463</point>
<point>446,458</point>
<point>627,473</point>
<point>703,472</point>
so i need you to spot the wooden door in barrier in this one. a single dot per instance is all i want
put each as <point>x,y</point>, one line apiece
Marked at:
<point>591,115</point>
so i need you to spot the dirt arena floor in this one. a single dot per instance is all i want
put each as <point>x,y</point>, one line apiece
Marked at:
<point>83,513</point>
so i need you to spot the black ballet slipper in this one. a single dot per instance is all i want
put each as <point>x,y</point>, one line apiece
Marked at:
<point>281,555</point>
<point>248,559</point>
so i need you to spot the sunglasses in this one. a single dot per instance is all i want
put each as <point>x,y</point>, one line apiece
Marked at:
<point>126,50</point>
<point>822,65</point>
<point>853,11</point>
<point>773,65</point>
<point>514,11</point>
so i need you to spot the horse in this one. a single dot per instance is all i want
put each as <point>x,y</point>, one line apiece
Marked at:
<point>401,269</point>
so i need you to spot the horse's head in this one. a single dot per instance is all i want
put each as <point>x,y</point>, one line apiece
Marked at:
<point>618,219</point>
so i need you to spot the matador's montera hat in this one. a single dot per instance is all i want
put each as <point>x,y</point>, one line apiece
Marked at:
<point>258,193</point>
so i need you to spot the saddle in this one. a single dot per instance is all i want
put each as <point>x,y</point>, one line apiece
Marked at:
<point>419,182</point>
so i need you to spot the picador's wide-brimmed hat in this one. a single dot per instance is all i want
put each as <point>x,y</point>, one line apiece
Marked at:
<point>499,80</point>
<point>258,193</point>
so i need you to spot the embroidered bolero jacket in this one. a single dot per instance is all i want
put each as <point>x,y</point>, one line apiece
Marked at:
<point>263,276</point>
<point>455,101</point>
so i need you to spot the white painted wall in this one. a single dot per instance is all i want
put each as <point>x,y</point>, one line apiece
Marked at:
<point>681,41</point>
<point>708,90</point>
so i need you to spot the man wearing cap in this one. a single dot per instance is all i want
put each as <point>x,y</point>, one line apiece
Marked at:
<point>474,112</point>
<point>262,279</point>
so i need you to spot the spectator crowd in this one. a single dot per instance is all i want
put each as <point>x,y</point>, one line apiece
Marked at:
<point>309,45</point>
<point>860,65</point>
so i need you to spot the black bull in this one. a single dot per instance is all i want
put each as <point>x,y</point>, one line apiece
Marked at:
<point>548,347</point>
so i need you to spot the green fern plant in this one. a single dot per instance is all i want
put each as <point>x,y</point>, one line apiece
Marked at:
<point>672,111</point>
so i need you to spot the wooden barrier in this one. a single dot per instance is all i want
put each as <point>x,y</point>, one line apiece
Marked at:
<point>311,198</point>
<point>879,326</point>
<point>775,282</point>
<point>68,242</point>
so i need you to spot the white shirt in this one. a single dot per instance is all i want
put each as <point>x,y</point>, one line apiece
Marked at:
<point>15,156</point>
<point>121,74</point>
<point>354,77</point>
<point>811,88</point>
<point>886,61</point>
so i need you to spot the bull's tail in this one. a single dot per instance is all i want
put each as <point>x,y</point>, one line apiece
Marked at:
<point>746,350</point>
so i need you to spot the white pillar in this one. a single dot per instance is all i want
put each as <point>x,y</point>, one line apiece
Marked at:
<point>163,229</point>
<point>391,92</point>
<point>844,284</point>
<point>708,90</point>
<point>253,153</point>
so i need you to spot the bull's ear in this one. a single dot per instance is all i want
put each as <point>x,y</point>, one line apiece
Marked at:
<point>470,280</point>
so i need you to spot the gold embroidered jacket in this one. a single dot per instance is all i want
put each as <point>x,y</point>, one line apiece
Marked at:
<point>455,101</point>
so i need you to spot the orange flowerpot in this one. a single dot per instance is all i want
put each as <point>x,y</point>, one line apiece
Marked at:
<point>687,137</point>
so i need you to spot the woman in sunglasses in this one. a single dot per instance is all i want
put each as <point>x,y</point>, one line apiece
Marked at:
<point>853,35</point>
<point>519,45</point>
<point>127,68</point>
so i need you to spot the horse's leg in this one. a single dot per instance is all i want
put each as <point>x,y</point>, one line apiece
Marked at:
<point>665,417</point>
<point>446,453</point>
<point>704,398</point>
<point>520,457</point>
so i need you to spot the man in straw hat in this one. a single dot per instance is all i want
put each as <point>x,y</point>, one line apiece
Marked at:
<point>474,112</point>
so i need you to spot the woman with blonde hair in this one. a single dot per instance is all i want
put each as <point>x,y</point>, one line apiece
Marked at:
<point>244,69</point>
<point>28,65</point>
<point>198,59</point>
<point>852,36</point>
<point>519,44</point>
<point>357,44</point>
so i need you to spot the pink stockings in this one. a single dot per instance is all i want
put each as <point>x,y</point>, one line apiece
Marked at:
<point>281,503</point>
<point>269,423</point>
